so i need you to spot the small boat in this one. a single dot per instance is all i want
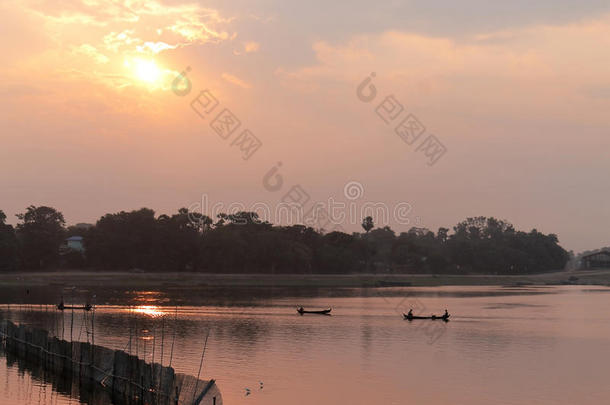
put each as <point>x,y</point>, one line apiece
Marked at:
<point>323,312</point>
<point>385,283</point>
<point>432,317</point>
<point>63,307</point>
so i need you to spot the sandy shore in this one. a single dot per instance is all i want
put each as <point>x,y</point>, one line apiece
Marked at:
<point>160,280</point>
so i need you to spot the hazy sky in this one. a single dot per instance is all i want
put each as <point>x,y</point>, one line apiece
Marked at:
<point>518,93</point>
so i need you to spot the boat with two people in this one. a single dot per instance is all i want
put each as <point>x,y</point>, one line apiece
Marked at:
<point>409,316</point>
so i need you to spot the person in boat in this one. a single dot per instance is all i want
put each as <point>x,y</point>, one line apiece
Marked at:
<point>446,314</point>
<point>301,309</point>
<point>410,313</point>
<point>61,304</point>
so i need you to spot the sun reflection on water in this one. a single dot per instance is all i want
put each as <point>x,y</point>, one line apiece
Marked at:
<point>150,310</point>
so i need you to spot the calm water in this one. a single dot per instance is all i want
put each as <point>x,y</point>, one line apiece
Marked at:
<point>538,345</point>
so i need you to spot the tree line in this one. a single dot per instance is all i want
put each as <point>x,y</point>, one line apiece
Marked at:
<point>242,243</point>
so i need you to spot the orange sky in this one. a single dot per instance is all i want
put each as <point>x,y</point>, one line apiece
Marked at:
<point>519,99</point>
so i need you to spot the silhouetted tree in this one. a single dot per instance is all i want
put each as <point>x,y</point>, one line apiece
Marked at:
<point>242,243</point>
<point>379,244</point>
<point>40,234</point>
<point>9,247</point>
<point>367,224</point>
<point>126,240</point>
<point>442,234</point>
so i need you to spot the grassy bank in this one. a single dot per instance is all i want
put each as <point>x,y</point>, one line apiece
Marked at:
<point>160,280</point>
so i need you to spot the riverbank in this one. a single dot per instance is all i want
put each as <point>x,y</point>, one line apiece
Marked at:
<point>190,280</point>
<point>125,377</point>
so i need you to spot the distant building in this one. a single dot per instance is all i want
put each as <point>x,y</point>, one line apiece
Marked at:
<point>73,243</point>
<point>598,260</point>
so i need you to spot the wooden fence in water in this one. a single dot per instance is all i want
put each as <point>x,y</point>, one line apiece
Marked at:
<point>128,379</point>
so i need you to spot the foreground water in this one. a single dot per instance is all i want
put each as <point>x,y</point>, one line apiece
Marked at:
<point>520,345</point>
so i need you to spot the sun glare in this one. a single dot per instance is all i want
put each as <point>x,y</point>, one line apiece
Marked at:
<point>145,70</point>
<point>150,310</point>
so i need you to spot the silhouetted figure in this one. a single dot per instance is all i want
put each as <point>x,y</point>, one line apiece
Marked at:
<point>410,312</point>
<point>61,305</point>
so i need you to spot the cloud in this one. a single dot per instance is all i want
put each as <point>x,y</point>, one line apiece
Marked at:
<point>251,46</point>
<point>519,72</point>
<point>235,80</point>
<point>155,47</point>
<point>111,32</point>
<point>532,52</point>
<point>92,52</point>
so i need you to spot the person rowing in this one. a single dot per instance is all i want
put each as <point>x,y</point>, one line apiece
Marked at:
<point>410,314</point>
<point>446,314</point>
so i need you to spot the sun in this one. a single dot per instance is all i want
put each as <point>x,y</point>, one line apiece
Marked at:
<point>145,70</point>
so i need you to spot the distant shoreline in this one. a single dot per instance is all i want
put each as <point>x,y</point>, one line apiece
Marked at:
<point>142,280</point>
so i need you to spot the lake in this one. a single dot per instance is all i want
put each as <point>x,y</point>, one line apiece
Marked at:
<point>503,345</point>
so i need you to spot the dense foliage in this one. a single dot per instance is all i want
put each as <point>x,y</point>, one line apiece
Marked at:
<point>40,235</point>
<point>241,243</point>
<point>8,246</point>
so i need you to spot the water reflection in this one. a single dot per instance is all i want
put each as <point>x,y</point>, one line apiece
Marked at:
<point>27,382</point>
<point>149,310</point>
<point>239,296</point>
<point>523,345</point>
